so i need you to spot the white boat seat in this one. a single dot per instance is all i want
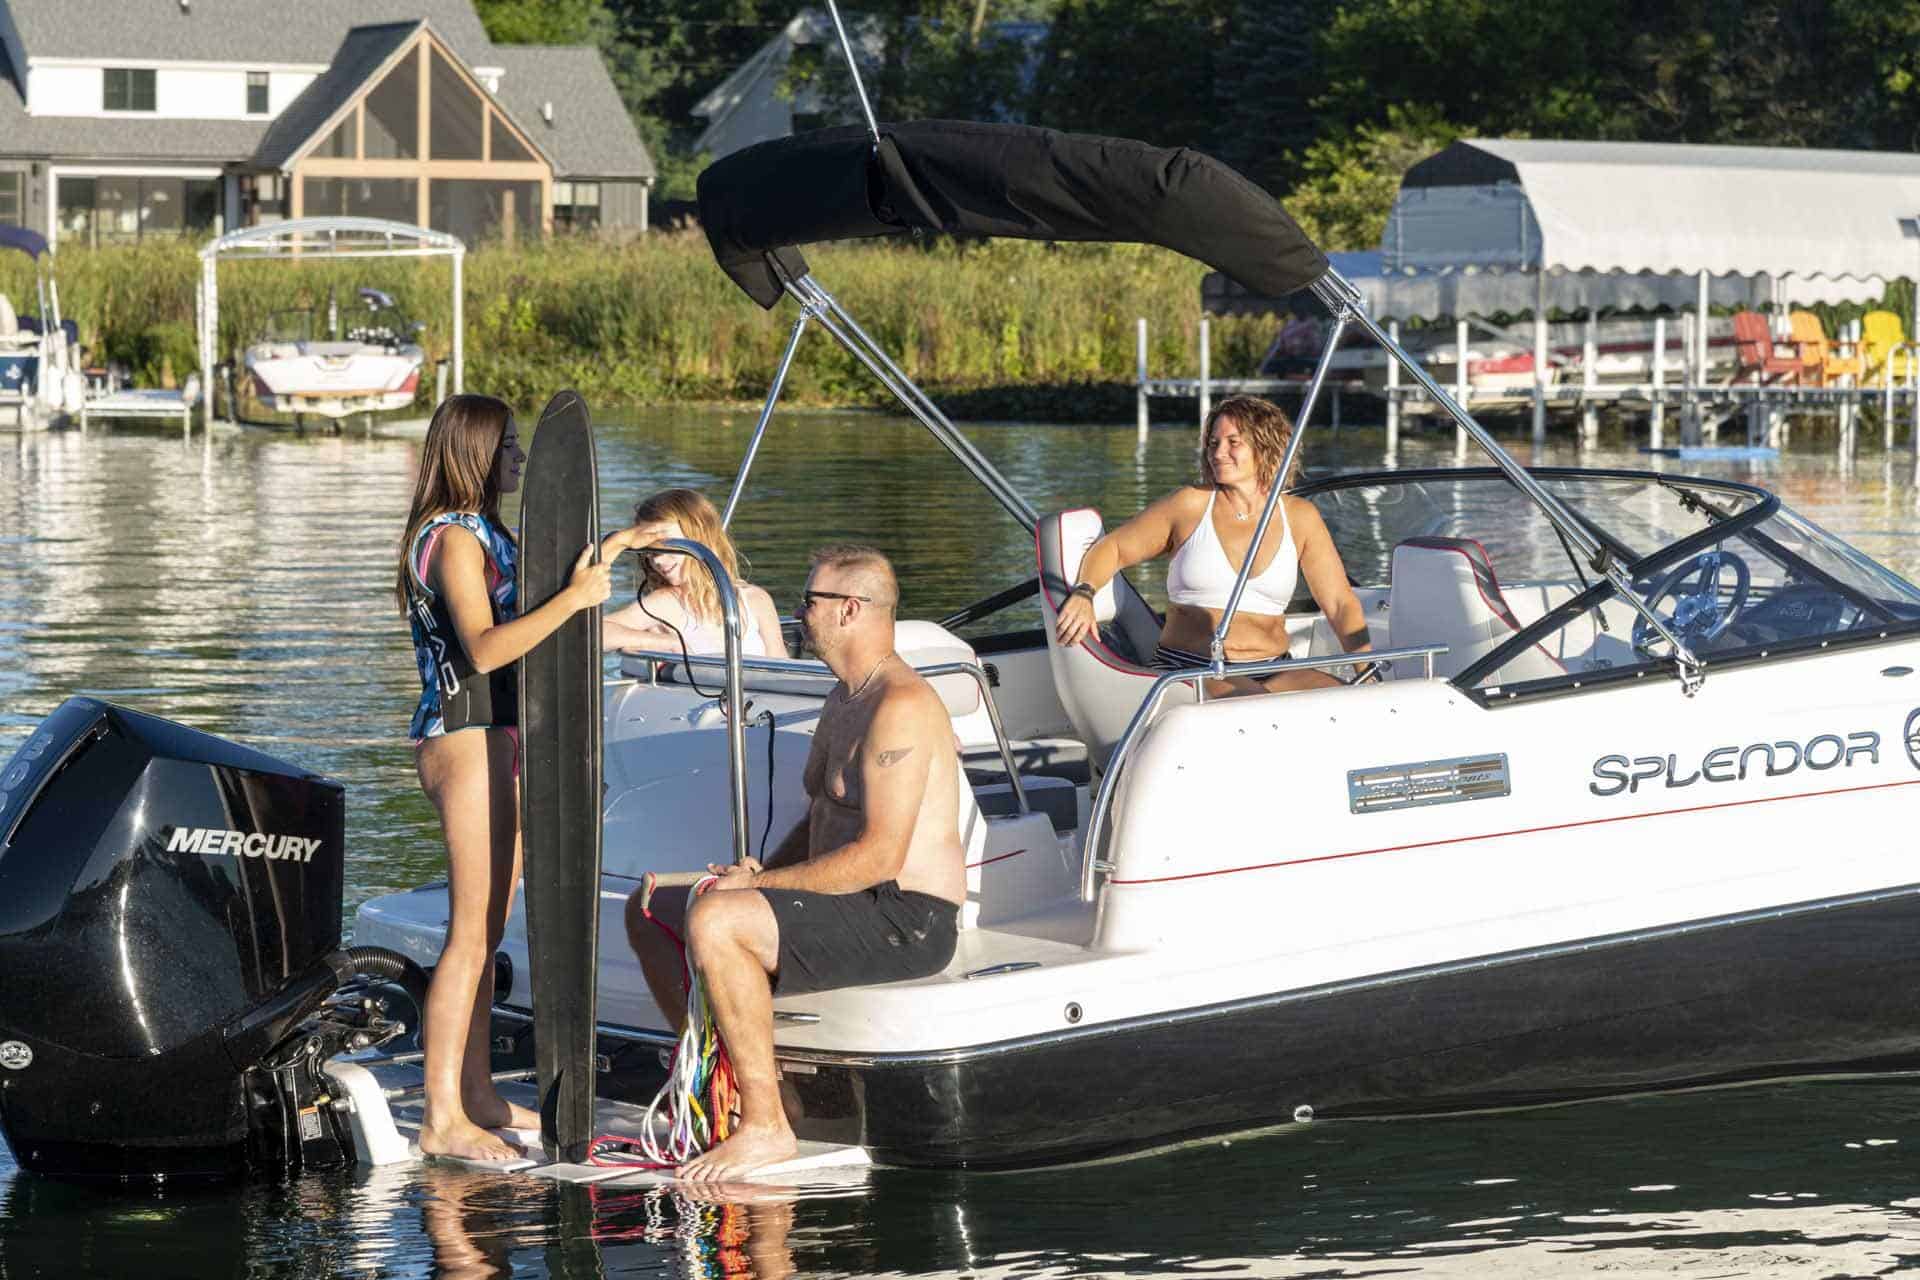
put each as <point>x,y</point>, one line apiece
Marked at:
<point>1015,864</point>
<point>920,644</point>
<point>1101,682</point>
<point>1444,592</point>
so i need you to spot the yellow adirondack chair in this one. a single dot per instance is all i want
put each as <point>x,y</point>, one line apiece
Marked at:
<point>1820,358</point>
<point>1882,339</point>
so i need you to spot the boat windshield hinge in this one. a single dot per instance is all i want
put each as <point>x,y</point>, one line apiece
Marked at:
<point>1692,673</point>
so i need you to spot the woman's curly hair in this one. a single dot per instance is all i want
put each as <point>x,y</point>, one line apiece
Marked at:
<point>1267,428</point>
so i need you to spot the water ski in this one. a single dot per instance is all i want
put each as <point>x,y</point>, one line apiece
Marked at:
<point>560,775</point>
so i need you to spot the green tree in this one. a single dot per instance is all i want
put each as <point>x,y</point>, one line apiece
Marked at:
<point>1135,68</point>
<point>544,21</point>
<point>1349,182</point>
<point>1269,76</point>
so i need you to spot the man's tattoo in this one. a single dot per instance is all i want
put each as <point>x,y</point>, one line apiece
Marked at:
<point>888,759</point>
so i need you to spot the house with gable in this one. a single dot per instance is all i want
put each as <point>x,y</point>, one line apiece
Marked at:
<point>126,119</point>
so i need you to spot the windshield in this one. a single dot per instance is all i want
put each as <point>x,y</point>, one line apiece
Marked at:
<point>1765,589</point>
<point>1722,565</point>
<point>1634,514</point>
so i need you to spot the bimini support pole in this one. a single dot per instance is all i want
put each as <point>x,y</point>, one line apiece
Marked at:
<point>1342,312</point>
<point>847,331</point>
<point>853,69</point>
<point>807,313</point>
<point>1336,292</point>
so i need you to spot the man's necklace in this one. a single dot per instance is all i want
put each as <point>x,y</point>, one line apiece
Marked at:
<point>869,680</point>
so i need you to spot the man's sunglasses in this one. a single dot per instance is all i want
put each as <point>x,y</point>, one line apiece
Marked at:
<point>808,597</point>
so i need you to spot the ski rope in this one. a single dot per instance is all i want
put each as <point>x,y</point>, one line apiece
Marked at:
<point>693,1111</point>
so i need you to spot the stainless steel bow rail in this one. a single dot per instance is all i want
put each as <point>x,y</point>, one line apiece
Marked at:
<point>735,702</point>
<point>804,670</point>
<point>1090,863</point>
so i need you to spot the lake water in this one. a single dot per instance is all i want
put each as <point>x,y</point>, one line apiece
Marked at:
<point>244,587</point>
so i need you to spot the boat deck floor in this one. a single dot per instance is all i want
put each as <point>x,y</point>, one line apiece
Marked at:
<point>818,1164</point>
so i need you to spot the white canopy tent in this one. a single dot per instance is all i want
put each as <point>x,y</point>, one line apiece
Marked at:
<point>325,237</point>
<point>1822,226</point>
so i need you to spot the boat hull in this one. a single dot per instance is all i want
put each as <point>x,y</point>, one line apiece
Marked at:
<point>1813,989</point>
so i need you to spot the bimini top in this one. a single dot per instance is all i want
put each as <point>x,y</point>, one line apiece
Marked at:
<point>31,243</point>
<point>759,204</point>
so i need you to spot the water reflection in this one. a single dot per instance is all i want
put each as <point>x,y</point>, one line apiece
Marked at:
<point>243,585</point>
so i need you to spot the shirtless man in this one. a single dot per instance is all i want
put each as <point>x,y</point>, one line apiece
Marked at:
<point>865,890</point>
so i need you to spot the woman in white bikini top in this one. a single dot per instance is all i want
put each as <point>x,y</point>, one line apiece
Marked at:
<point>1208,528</point>
<point>678,609</point>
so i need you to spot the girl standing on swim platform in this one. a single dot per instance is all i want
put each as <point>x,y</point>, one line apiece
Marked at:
<point>457,584</point>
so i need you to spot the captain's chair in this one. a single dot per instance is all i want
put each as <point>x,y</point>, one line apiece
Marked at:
<point>1444,592</point>
<point>1101,682</point>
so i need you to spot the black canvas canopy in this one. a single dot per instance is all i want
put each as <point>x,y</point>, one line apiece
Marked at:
<point>759,204</point>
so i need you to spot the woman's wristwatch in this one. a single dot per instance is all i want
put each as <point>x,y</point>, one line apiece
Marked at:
<point>1082,589</point>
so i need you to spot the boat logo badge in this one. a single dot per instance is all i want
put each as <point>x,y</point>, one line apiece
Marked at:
<point>1912,736</point>
<point>215,841</point>
<point>15,1056</point>
<point>1617,774</point>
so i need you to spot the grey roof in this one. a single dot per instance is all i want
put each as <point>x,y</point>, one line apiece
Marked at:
<point>591,136</point>
<point>364,54</point>
<point>297,31</point>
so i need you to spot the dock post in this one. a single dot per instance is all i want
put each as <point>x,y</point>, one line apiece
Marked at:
<point>1206,369</point>
<point>1462,390</point>
<point>1140,380</point>
<point>1657,419</point>
<point>1689,401</point>
<point>1540,359</point>
<point>1393,393</point>
<point>1886,404</point>
<point>1589,411</point>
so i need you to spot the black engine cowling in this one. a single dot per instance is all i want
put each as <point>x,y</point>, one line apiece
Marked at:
<point>169,912</point>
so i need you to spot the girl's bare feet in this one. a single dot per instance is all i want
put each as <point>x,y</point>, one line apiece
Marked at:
<point>465,1140</point>
<point>491,1111</point>
<point>751,1147</point>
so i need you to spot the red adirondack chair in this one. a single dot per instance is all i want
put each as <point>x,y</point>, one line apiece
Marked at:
<point>1754,353</point>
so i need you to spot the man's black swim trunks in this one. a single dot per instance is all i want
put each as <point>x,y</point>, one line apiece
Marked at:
<point>882,934</point>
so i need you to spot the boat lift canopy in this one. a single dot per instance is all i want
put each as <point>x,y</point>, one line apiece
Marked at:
<point>325,238</point>
<point>1643,207</point>
<point>1411,293</point>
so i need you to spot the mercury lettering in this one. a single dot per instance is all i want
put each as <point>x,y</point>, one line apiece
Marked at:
<point>214,841</point>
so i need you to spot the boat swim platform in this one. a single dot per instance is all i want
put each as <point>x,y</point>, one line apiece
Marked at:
<point>385,1099</point>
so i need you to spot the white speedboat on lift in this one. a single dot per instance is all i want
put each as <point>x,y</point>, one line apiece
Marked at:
<point>307,364</point>
<point>1627,816</point>
<point>39,350</point>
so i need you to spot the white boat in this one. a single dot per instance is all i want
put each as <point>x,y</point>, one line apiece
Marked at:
<point>1629,813</point>
<point>39,352</point>
<point>299,367</point>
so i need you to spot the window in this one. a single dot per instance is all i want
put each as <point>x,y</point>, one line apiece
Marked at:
<point>128,89</point>
<point>506,147</point>
<point>459,117</point>
<point>256,93</point>
<point>479,210</point>
<point>576,205</point>
<point>393,113</point>
<point>396,199</point>
<point>110,210</point>
<point>13,197</point>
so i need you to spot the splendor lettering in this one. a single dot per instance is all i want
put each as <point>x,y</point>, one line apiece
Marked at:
<point>1616,774</point>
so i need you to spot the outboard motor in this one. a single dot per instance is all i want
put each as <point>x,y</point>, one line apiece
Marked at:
<point>170,963</point>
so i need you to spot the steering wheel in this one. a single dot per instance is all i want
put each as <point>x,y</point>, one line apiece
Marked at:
<point>1697,616</point>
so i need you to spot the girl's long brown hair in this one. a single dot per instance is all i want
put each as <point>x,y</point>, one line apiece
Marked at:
<point>701,523</point>
<point>457,470</point>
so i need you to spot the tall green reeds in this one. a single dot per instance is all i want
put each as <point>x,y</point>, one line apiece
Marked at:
<point>655,321</point>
